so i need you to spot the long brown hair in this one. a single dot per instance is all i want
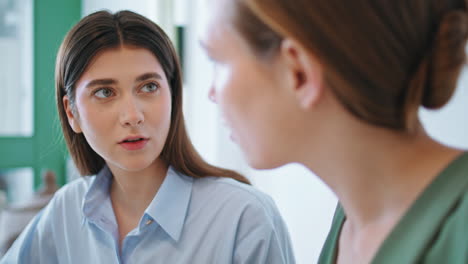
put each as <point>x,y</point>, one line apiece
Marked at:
<point>383,59</point>
<point>103,30</point>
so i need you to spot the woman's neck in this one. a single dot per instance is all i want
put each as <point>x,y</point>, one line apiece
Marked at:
<point>380,173</point>
<point>132,192</point>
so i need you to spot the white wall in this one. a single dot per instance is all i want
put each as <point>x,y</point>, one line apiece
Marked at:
<point>16,77</point>
<point>19,185</point>
<point>450,124</point>
<point>144,7</point>
<point>160,11</point>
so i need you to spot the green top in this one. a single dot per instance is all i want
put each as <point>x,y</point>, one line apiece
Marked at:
<point>433,230</point>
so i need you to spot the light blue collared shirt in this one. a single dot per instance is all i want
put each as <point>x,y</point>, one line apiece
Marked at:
<point>199,221</point>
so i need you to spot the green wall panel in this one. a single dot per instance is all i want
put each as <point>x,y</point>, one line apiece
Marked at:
<point>16,152</point>
<point>52,19</point>
<point>45,149</point>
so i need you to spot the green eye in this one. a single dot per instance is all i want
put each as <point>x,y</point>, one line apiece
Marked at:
<point>149,87</point>
<point>103,93</point>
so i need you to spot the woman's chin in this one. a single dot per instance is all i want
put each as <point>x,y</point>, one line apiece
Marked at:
<point>262,163</point>
<point>135,166</point>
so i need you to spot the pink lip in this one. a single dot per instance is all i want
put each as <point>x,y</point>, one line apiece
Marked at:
<point>134,145</point>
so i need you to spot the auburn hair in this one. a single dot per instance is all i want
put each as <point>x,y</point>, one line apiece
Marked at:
<point>382,59</point>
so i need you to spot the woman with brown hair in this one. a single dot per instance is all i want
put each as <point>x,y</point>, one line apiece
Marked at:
<point>153,199</point>
<point>336,86</point>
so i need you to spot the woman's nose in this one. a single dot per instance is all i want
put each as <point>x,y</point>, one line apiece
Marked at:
<point>131,114</point>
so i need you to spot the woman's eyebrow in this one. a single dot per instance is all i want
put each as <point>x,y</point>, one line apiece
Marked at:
<point>109,81</point>
<point>149,75</point>
<point>101,82</point>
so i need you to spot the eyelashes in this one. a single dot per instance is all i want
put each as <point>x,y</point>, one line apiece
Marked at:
<point>150,87</point>
<point>107,92</point>
<point>103,92</point>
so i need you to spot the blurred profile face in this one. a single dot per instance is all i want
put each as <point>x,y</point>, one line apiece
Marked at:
<point>248,91</point>
<point>123,107</point>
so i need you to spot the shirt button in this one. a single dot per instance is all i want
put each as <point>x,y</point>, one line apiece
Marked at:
<point>149,222</point>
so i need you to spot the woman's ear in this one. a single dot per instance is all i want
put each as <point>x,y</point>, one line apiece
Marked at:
<point>307,73</point>
<point>72,119</point>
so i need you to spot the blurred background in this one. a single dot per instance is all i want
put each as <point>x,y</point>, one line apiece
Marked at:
<point>33,158</point>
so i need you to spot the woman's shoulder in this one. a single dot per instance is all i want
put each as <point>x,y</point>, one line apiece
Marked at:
<point>65,207</point>
<point>232,194</point>
<point>459,216</point>
<point>75,189</point>
<point>69,198</point>
<point>230,187</point>
<point>248,215</point>
<point>451,243</point>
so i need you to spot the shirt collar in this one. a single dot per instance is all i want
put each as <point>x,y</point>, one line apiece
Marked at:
<point>170,205</point>
<point>168,208</point>
<point>97,194</point>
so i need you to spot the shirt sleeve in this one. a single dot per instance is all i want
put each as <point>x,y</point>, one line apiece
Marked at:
<point>35,244</point>
<point>262,236</point>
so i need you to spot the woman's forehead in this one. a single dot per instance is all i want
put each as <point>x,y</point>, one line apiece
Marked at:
<point>123,62</point>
